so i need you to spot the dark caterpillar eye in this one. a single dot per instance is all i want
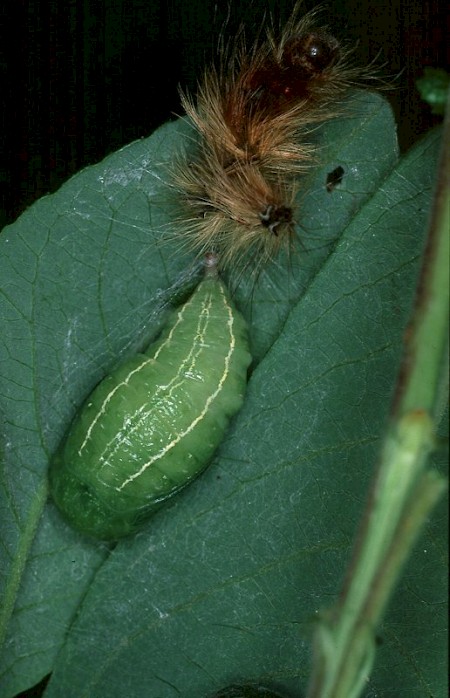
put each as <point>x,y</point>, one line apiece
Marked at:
<point>310,54</point>
<point>278,84</point>
<point>152,426</point>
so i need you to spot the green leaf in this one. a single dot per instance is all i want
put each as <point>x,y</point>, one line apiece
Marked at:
<point>433,87</point>
<point>223,585</point>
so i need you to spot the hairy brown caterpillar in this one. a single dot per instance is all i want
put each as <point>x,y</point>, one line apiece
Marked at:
<point>253,116</point>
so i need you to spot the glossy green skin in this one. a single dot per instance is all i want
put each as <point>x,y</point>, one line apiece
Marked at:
<point>153,425</point>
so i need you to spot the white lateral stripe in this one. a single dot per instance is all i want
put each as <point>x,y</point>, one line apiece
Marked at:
<point>107,399</point>
<point>110,395</point>
<point>139,416</point>
<point>208,402</point>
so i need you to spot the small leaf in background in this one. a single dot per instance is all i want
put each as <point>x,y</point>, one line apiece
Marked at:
<point>433,87</point>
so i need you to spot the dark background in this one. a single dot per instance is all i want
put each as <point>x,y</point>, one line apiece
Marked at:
<point>82,78</point>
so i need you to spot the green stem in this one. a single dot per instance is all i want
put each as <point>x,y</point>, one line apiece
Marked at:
<point>404,491</point>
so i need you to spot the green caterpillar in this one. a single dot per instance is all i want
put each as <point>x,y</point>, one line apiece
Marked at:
<point>153,425</point>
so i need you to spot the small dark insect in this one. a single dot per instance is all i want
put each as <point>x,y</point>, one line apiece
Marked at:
<point>334,178</point>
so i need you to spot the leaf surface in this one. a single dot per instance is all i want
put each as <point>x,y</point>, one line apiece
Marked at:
<point>224,583</point>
